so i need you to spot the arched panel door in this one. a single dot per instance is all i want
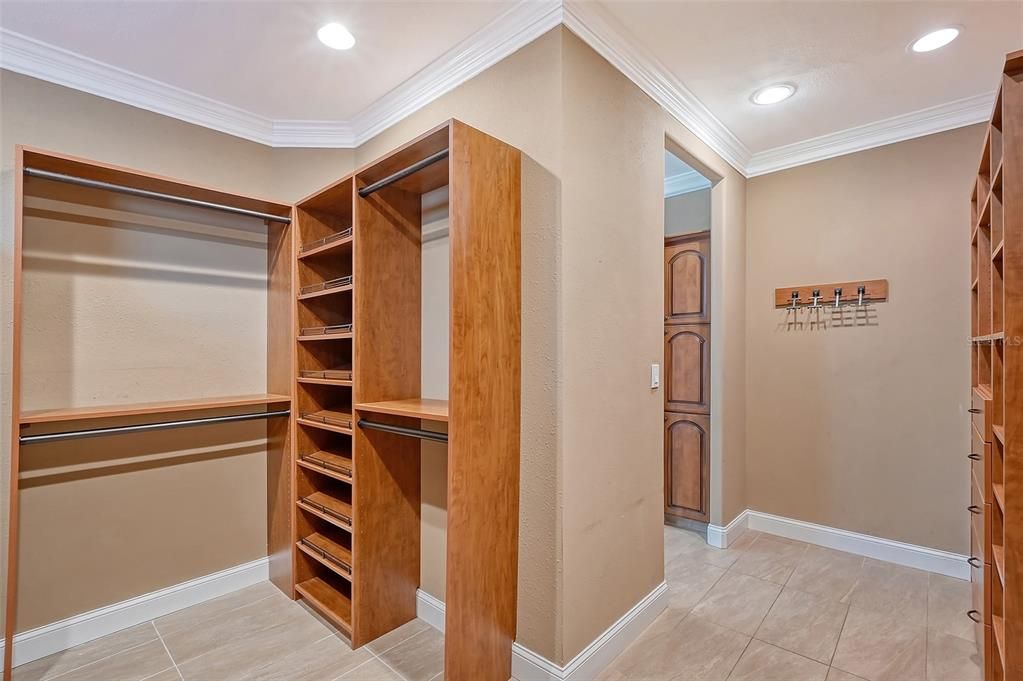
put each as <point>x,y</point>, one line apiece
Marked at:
<point>687,368</point>
<point>687,466</point>
<point>687,279</point>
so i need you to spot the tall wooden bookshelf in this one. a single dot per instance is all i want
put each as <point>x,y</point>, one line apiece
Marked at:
<point>360,414</point>
<point>996,454</point>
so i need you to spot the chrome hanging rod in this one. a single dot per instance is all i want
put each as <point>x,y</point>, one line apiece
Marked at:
<point>402,430</point>
<point>145,193</point>
<point>403,173</point>
<point>144,427</point>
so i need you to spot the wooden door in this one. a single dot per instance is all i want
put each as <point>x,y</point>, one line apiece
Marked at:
<point>687,466</point>
<point>687,368</point>
<point>687,279</point>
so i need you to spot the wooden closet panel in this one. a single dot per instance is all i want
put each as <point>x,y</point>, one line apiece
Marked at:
<point>387,366</point>
<point>686,283</point>
<point>485,378</point>
<point>687,466</point>
<point>687,368</point>
<point>280,369</point>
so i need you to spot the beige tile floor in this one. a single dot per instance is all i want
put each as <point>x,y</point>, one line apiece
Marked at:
<point>255,634</point>
<point>771,609</point>
<point>766,609</point>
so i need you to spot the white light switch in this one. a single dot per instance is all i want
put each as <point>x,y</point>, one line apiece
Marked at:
<point>655,375</point>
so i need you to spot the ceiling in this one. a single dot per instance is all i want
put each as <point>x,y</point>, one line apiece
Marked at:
<point>848,60</point>
<point>262,57</point>
<point>256,69</point>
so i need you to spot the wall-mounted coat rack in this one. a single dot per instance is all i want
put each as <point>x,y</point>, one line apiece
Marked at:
<point>816,296</point>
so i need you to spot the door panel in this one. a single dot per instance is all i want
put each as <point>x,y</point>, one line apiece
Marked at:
<point>687,368</point>
<point>687,466</point>
<point>687,279</point>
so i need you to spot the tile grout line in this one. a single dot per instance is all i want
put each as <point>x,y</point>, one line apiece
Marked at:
<point>102,659</point>
<point>384,662</point>
<point>167,650</point>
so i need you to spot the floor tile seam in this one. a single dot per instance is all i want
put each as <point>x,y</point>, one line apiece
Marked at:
<point>167,650</point>
<point>797,654</point>
<point>102,659</point>
<point>401,642</point>
<point>361,664</point>
<point>384,662</point>
<point>213,650</point>
<point>219,614</point>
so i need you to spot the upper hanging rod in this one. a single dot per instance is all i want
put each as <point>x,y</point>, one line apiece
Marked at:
<point>403,173</point>
<point>143,427</point>
<point>402,430</point>
<point>133,191</point>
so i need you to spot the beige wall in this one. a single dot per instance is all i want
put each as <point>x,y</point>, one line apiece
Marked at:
<point>686,213</point>
<point>864,428</point>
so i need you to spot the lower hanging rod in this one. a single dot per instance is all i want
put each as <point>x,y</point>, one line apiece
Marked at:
<point>402,430</point>
<point>145,427</point>
<point>403,173</point>
<point>146,193</point>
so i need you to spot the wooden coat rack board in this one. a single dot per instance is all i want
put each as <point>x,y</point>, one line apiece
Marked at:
<point>875,291</point>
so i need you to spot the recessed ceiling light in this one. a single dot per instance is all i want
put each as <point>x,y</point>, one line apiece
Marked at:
<point>935,39</point>
<point>336,36</point>
<point>772,94</point>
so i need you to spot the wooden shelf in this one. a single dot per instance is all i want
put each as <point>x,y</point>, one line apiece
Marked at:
<point>339,245</point>
<point>997,252</point>
<point>983,391</point>
<point>333,465</point>
<point>998,553</point>
<point>326,507</point>
<point>999,493</point>
<point>318,547</point>
<point>326,292</point>
<point>148,408</point>
<point>328,601</point>
<point>323,425</point>
<point>998,626</point>
<point>326,337</point>
<point>433,410</point>
<point>999,432</point>
<point>326,381</point>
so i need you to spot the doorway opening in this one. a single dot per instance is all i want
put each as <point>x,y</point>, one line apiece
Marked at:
<point>687,333</point>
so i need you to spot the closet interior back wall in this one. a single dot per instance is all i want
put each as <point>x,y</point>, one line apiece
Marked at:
<point>131,300</point>
<point>436,341</point>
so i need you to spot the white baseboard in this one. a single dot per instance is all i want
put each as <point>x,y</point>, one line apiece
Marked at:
<point>53,638</point>
<point>920,557</point>
<point>590,662</point>
<point>722,537</point>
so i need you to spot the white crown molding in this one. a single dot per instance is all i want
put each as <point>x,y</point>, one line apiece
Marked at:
<point>684,182</point>
<point>31,57</point>
<point>522,24</point>
<point>517,27</point>
<point>588,21</point>
<point>948,116</point>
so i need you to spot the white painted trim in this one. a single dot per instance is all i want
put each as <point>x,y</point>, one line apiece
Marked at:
<point>722,537</point>
<point>611,41</point>
<point>520,25</point>
<point>430,609</point>
<point>955,114</point>
<point>590,662</point>
<point>31,57</point>
<point>920,557</point>
<point>684,182</point>
<point>53,638</point>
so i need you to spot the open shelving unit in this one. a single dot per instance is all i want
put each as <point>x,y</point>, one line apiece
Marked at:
<point>188,211</point>
<point>996,291</point>
<point>359,412</point>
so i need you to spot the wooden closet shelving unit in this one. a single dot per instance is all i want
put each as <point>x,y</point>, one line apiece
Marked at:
<point>344,388</point>
<point>37,174</point>
<point>996,454</point>
<point>363,574</point>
